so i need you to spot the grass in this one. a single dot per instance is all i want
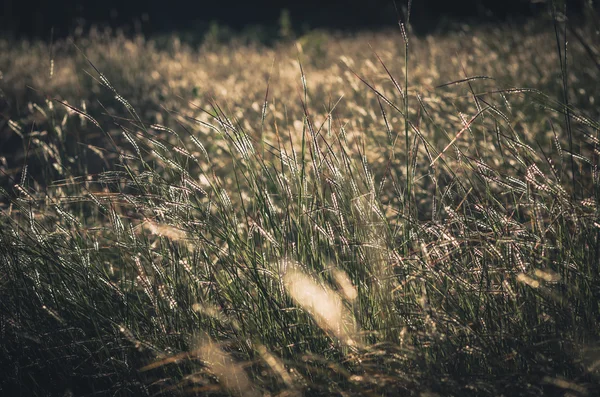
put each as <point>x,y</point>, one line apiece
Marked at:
<point>381,214</point>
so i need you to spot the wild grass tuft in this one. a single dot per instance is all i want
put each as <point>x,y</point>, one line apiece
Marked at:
<point>210,221</point>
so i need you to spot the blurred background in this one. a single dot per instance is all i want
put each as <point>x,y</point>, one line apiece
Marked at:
<point>37,19</point>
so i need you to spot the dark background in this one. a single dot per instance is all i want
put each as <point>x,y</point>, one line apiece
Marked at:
<point>35,18</point>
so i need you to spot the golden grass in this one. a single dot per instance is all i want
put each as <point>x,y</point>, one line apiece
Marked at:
<point>453,250</point>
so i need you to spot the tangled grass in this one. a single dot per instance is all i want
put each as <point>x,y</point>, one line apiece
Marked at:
<point>379,214</point>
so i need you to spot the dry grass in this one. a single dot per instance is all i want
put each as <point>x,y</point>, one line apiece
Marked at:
<point>330,216</point>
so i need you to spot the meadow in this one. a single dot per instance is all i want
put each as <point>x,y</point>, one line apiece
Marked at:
<point>374,214</point>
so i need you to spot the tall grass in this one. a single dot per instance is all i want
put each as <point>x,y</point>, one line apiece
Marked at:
<point>212,221</point>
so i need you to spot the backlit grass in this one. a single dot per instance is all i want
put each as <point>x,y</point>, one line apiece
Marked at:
<point>381,214</point>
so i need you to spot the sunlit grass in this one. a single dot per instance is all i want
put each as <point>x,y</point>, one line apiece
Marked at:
<point>310,218</point>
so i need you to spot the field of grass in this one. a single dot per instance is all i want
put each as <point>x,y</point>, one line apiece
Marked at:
<point>377,214</point>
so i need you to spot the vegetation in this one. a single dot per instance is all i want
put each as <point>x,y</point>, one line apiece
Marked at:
<point>381,214</point>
